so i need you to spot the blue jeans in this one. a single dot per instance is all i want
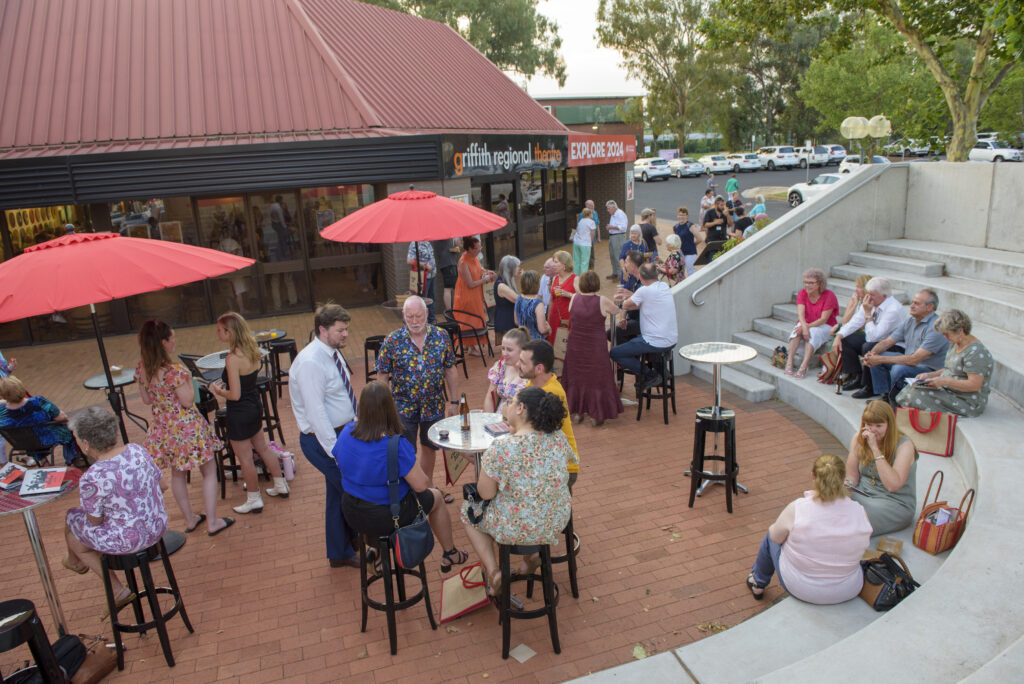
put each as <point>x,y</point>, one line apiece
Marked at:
<point>767,562</point>
<point>628,353</point>
<point>885,377</point>
<point>339,544</point>
<point>429,291</point>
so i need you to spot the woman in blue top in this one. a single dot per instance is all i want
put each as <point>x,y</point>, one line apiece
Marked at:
<point>530,311</point>
<point>22,410</point>
<point>362,455</point>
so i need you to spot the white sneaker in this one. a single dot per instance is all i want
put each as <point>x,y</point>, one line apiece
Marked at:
<point>280,488</point>
<point>253,504</point>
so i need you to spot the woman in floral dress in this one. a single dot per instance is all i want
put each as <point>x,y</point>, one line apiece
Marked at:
<point>179,437</point>
<point>525,476</point>
<point>122,507</point>
<point>504,374</point>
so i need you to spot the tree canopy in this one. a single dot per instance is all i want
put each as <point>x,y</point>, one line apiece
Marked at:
<point>991,28</point>
<point>510,33</point>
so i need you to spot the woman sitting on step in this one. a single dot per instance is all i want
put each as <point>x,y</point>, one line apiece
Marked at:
<point>816,314</point>
<point>816,543</point>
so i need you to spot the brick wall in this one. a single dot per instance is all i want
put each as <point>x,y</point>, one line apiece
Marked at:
<point>608,182</point>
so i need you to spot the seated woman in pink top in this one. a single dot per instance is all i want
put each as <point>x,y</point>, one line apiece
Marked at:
<point>816,310</point>
<point>817,542</point>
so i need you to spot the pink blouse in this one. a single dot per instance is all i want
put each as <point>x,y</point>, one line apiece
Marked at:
<point>814,310</point>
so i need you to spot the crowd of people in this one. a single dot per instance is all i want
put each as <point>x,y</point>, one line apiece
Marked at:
<point>924,359</point>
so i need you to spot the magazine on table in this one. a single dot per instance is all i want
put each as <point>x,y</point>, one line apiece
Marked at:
<point>10,474</point>
<point>498,429</point>
<point>42,481</point>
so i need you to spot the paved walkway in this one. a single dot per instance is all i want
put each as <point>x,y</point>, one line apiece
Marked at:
<point>266,606</point>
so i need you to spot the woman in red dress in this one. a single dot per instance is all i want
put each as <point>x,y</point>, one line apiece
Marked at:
<point>587,371</point>
<point>563,287</point>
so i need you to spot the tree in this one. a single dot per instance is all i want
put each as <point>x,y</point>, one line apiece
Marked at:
<point>661,46</point>
<point>992,29</point>
<point>510,33</point>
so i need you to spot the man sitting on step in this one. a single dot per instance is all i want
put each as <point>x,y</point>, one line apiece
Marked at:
<point>878,316</point>
<point>888,369</point>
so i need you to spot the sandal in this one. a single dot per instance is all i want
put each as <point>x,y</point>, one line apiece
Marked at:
<point>451,558</point>
<point>754,588</point>
<point>119,603</point>
<point>802,373</point>
<point>199,521</point>
<point>493,587</point>
<point>788,371</point>
<point>373,558</point>
<point>448,498</point>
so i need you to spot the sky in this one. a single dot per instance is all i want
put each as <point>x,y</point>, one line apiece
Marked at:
<point>590,70</point>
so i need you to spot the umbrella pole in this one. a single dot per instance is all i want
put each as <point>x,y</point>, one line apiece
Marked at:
<point>112,395</point>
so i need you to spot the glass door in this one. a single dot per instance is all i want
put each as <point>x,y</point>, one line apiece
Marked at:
<point>274,224</point>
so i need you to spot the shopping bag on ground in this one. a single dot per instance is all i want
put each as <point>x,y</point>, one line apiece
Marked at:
<point>940,525</point>
<point>463,592</point>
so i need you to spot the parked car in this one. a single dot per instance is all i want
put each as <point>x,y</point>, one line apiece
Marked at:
<point>743,161</point>
<point>715,163</point>
<point>778,157</point>
<point>853,163</point>
<point>836,154</point>
<point>684,166</point>
<point>802,192</point>
<point>907,147</point>
<point>812,156</point>
<point>651,168</point>
<point>993,151</point>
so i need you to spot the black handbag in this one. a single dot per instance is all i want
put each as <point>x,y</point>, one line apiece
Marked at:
<point>477,506</point>
<point>413,542</point>
<point>886,582</point>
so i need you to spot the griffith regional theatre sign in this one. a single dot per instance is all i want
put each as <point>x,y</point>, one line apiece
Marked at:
<point>466,156</point>
<point>587,150</point>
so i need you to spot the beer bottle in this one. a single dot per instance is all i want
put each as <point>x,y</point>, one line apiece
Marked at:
<point>464,411</point>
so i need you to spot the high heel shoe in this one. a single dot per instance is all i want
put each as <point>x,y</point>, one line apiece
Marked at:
<point>253,503</point>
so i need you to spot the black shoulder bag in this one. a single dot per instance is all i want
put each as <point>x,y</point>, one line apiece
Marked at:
<point>414,542</point>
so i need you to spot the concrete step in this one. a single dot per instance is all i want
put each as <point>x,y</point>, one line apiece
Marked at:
<point>774,328</point>
<point>762,343</point>
<point>996,305</point>
<point>742,384</point>
<point>897,263</point>
<point>978,263</point>
<point>785,312</point>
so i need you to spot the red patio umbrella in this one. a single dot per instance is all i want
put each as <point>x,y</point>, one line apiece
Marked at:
<point>88,268</point>
<point>413,216</point>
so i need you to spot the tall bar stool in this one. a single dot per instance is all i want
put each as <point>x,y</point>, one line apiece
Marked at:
<point>572,549</point>
<point>664,363</point>
<point>723,422</point>
<point>452,328</point>
<point>21,625</point>
<point>505,610</point>
<point>285,345</point>
<point>227,465</point>
<point>271,418</point>
<point>372,345</point>
<point>141,560</point>
<point>391,574</point>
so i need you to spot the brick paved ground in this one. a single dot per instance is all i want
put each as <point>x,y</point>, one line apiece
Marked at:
<point>266,606</point>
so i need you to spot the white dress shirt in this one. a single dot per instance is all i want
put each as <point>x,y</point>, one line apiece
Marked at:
<point>887,316</point>
<point>320,401</point>
<point>618,223</point>
<point>545,289</point>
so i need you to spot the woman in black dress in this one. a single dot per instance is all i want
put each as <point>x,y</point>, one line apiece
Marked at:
<point>238,387</point>
<point>505,294</point>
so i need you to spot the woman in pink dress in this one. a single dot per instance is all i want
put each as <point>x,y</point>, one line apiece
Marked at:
<point>122,507</point>
<point>816,310</point>
<point>179,437</point>
<point>504,374</point>
<point>587,373</point>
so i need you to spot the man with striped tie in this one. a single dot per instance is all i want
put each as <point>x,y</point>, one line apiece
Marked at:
<point>324,401</point>
<point>416,360</point>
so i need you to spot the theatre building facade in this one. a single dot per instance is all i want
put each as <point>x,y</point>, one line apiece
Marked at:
<point>254,151</point>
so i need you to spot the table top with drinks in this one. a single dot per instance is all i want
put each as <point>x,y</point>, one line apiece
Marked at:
<point>471,431</point>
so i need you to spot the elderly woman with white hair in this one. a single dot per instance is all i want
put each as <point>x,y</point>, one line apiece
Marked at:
<point>963,386</point>
<point>122,507</point>
<point>816,309</point>
<point>674,266</point>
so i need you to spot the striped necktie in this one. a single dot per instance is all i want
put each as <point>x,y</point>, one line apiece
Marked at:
<point>344,379</point>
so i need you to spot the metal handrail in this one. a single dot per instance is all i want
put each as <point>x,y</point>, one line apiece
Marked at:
<point>783,231</point>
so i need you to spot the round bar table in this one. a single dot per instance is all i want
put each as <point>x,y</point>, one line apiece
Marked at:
<point>12,502</point>
<point>718,354</point>
<point>121,378</point>
<point>464,443</point>
<point>215,361</point>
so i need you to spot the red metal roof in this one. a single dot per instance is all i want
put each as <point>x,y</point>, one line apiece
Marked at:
<point>88,76</point>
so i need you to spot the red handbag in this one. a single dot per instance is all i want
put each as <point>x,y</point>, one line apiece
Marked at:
<point>940,525</point>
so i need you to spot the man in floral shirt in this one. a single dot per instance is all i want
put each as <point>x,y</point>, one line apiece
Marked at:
<point>416,360</point>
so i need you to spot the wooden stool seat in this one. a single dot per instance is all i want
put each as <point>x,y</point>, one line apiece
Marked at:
<point>505,610</point>
<point>21,625</point>
<point>724,422</point>
<point>391,574</point>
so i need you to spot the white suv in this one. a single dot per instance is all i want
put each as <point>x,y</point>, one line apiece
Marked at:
<point>744,161</point>
<point>994,151</point>
<point>836,154</point>
<point>651,168</point>
<point>715,163</point>
<point>778,157</point>
<point>812,156</point>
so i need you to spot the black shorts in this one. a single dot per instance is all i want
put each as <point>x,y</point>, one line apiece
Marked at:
<point>375,519</point>
<point>449,275</point>
<point>409,430</point>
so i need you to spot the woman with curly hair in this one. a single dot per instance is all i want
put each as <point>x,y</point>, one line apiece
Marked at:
<point>179,437</point>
